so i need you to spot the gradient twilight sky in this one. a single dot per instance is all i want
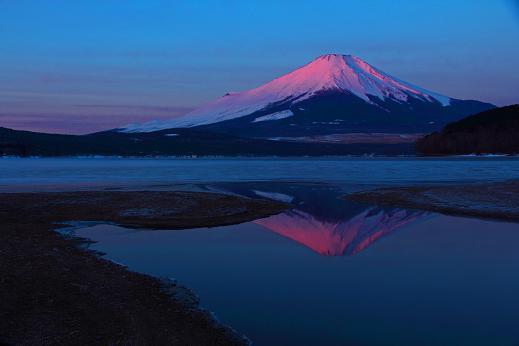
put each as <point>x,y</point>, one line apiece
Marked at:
<point>88,65</point>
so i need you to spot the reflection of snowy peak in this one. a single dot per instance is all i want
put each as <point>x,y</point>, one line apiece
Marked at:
<point>321,220</point>
<point>284,98</point>
<point>337,238</point>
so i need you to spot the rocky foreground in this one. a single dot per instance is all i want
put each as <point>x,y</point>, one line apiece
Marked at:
<point>52,292</point>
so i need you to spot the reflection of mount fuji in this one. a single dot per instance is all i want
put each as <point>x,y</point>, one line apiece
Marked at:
<point>337,238</point>
<point>324,223</point>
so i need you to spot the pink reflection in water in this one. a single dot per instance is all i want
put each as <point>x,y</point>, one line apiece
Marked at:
<point>339,238</point>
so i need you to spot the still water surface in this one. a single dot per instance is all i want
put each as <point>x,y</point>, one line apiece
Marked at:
<point>334,272</point>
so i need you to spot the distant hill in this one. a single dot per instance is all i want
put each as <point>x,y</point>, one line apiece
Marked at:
<point>179,142</point>
<point>494,131</point>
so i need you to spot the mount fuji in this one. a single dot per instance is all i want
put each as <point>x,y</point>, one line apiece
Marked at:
<point>333,94</point>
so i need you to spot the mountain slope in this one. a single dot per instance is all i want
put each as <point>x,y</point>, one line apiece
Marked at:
<point>491,132</point>
<point>332,94</point>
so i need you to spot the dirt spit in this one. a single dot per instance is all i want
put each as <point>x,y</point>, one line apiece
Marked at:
<point>498,200</point>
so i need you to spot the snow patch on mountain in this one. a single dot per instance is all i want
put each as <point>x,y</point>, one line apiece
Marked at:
<point>274,116</point>
<point>150,126</point>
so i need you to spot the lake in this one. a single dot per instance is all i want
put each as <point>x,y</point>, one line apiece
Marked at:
<point>329,271</point>
<point>53,173</point>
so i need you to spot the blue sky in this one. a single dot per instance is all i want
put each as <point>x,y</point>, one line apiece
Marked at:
<point>81,66</point>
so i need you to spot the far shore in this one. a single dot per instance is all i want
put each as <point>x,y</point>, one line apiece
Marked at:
<point>54,292</point>
<point>498,200</point>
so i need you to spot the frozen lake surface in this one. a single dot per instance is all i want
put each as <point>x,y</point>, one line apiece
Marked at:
<point>91,172</point>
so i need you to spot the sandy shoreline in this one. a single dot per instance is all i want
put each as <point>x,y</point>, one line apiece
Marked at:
<point>52,292</point>
<point>499,200</point>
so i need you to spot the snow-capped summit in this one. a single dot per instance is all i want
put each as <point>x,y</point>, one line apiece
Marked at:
<point>284,99</point>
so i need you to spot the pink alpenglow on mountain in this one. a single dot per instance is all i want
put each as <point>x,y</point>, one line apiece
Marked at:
<point>333,92</point>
